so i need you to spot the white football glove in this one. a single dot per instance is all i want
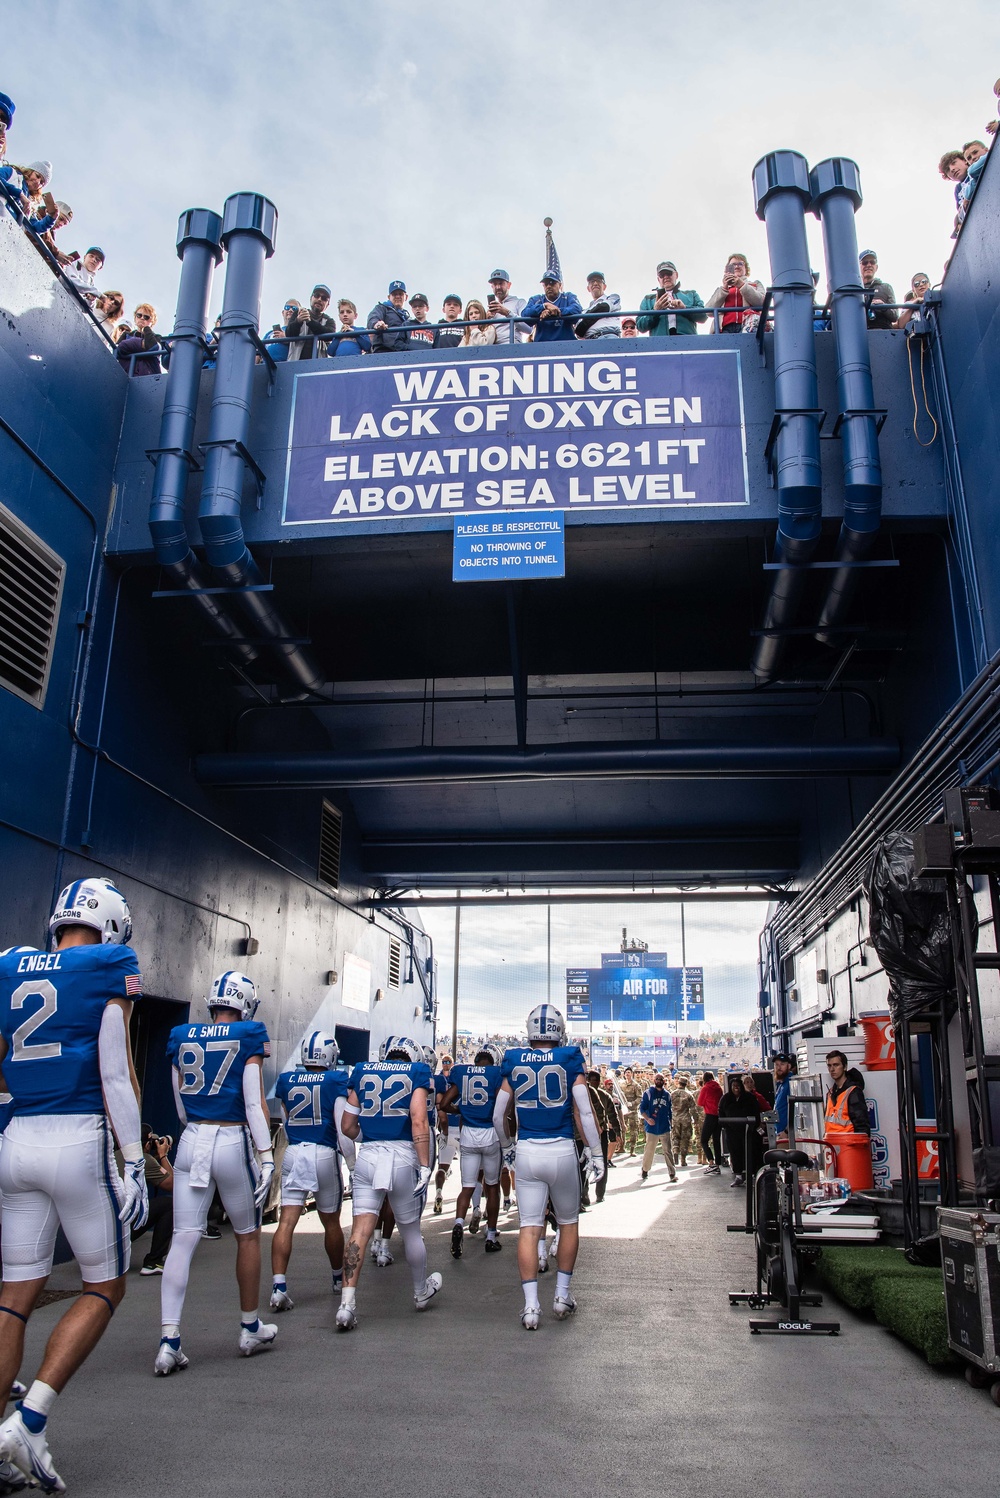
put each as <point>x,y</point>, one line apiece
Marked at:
<point>263,1190</point>
<point>423,1176</point>
<point>508,1155</point>
<point>135,1208</point>
<point>594,1163</point>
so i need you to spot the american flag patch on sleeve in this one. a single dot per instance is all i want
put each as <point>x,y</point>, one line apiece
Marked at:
<point>133,985</point>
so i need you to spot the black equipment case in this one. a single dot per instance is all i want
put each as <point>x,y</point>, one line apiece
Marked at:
<point>970,1257</point>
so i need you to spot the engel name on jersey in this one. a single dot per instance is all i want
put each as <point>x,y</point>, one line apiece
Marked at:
<point>477,1092</point>
<point>309,1098</point>
<point>210,1061</point>
<point>51,1007</point>
<point>542,1084</point>
<point>384,1090</point>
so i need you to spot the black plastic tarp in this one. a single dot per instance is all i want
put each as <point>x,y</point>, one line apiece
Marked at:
<point>910,929</point>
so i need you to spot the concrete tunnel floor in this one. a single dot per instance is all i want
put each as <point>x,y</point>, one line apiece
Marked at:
<point>654,1386</point>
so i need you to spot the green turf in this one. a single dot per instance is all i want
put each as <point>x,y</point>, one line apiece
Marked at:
<point>906,1298</point>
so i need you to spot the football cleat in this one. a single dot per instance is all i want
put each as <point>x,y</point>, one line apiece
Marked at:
<point>281,1301</point>
<point>432,1285</point>
<point>546,1023</point>
<point>383,1258</point>
<point>506,1203</point>
<point>251,1342</point>
<point>12,1479</point>
<point>477,1218</point>
<point>346,1319</point>
<point>97,903</point>
<point>167,1359</point>
<point>151,1266</point>
<point>563,1306</point>
<point>30,1453</point>
<point>493,1245</point>
<point>530,1317</point>
<point>438,1205</point>
<point>457,1234</point>
<point>232,990</point>
<point>17,1389</point>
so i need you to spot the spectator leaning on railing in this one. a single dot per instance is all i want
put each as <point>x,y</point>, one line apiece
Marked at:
<point>671,304</point>
<point>741,297</point>
<point>503,303</point>
<point>277,340</point>
<point>107,310</point>
<point>7,108</point>
<point>83,273</point>
<point>920,284</point>
<point>423,334</point>
<point>451,309</point>
<point>312,319</point>
<point>388,321</point>
<point>600,320</point>
<point>352,341</point>
<point>475,312</point>
<point>877,293</point>
<point>141,342</point>
<point>553,312</point>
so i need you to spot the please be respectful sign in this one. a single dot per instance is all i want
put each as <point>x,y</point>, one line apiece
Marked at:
<point>503,548</point>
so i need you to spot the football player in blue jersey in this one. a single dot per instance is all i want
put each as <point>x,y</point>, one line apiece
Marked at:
<point>447,1140</point>
<point>544,1086</point>
<point>67,1062</point>
<point>387,1109</point>
<point>219,1091</point>
<point>312,1099</point>
<point>472,1094</point>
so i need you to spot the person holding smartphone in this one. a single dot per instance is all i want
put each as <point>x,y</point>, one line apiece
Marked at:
<point>668,312</point>
<point>740,296</point>
<point>502,303</point>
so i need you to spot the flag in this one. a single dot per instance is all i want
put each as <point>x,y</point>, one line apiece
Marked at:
<point>133,985</point>
<point>552,266</point>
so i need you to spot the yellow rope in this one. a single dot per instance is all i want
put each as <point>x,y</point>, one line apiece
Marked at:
<point>913,392</point>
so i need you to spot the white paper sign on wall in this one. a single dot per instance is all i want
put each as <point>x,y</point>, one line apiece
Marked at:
<point>356,983</point>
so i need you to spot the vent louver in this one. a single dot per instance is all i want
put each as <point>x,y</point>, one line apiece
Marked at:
<point>329,845</point>
<point>395,962</point>
<point>31,583</point>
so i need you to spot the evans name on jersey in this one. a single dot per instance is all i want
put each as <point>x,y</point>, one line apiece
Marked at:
<point>542,1084</point>
<point>384,1090</point>
<point>51,1023</point>
<point>210,1061</point>
<point>308,1098</point>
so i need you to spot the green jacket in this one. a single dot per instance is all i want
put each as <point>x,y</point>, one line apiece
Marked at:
<point>657,325</point>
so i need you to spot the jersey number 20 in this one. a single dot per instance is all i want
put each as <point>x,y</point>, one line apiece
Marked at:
<point>548,1085</point>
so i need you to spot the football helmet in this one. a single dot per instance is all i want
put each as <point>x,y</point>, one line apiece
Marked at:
<point>410,1049</point>
<point>96,903</point>
<point>233,991</point>
<point>431,1057</point>
<point>495,1052</point>
<point>546,1023</point>
<point>320,1050</point>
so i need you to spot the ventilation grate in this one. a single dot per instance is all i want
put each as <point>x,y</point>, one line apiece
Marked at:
<point>31,582</point>
<point>395,962</point>
<point>329,845</point>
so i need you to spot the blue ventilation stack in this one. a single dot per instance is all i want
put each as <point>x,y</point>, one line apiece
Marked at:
<point>781,196</point>
<point>200,250</point>
<point>836,197</point>
<point>249,222</point>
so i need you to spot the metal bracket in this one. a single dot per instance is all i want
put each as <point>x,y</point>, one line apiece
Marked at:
<point>260,477</point>
<point>152,453</point>
<point>765,308</point>
<point>776,422</point>
<point>195,592</point>
<point>879,414</point>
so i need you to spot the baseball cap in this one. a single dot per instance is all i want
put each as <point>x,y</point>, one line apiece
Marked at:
<point>666,265</point>
<point>498,275</point>
<point>418,296</point>
<point>451,297</point>
<point>548,276</point>
<point>324,289</point>
<point>7,108</point>
<point>396,286</point>
<point>95,249</point>
<point>597,275</point>
<point>868,255</point>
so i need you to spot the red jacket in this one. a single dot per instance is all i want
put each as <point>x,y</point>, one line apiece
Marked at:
<point>709,1098</point>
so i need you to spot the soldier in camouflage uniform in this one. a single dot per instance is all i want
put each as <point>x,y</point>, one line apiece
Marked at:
<point>632,1093</point>
<point>682,1129</point>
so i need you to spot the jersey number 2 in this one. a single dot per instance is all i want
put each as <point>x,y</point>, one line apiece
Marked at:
<point>35,1051</point>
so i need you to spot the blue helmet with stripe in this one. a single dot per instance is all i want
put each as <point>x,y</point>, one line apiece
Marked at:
<point>233,990</point>
<point>546,1023</point>
<point>319,1050</point>
<point>403,1043</point>
<point>96,903</point>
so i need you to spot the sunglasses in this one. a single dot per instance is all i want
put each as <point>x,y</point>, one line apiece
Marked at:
<point>289,307</point>
<point>143,317</point>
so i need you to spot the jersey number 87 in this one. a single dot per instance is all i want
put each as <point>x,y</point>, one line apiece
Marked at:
<point>191,1058</point>
<point>545,1088</point>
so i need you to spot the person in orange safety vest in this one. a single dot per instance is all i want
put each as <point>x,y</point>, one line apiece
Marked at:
<point>846,1109</point>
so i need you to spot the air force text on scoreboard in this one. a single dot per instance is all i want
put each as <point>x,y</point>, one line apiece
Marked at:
<point>574,431</point>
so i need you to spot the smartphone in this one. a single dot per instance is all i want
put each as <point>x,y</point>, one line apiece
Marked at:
<point>50,202</point>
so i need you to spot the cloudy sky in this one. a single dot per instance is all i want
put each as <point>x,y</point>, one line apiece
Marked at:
<point>504,957</point>
<point>430,140</point>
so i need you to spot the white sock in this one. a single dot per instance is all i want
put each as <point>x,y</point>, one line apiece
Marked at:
<point>170,1330</point>
<point>37,1404</point>
<point>530,1288</point>
<point>460,1222</point>
<point>562,1282</point>
<point>278,1281</point>
<point>491,1233</point>
<point>347,1295</point>
<point>250,1319</point>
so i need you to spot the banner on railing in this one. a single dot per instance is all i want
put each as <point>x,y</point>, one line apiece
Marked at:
<point>575,431</point>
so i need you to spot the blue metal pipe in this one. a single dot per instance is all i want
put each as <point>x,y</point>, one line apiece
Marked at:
<point>781,194</point>
<point>249,222</point>
<point>200,251</point>
<point>836,197</point>
<point>622,761</point>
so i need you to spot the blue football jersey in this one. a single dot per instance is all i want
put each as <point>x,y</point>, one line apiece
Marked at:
<point>383,1090</point>
<point>477,1092</point>
<point>51,1007</point>
<point>210,1061</point>
<point>542,1083</point>
<point>309,1098</point>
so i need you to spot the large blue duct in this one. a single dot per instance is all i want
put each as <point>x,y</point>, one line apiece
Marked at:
<point>248,228</point>
<point>200,251</point>
<point>781,195</point>
<point>836,197</point>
